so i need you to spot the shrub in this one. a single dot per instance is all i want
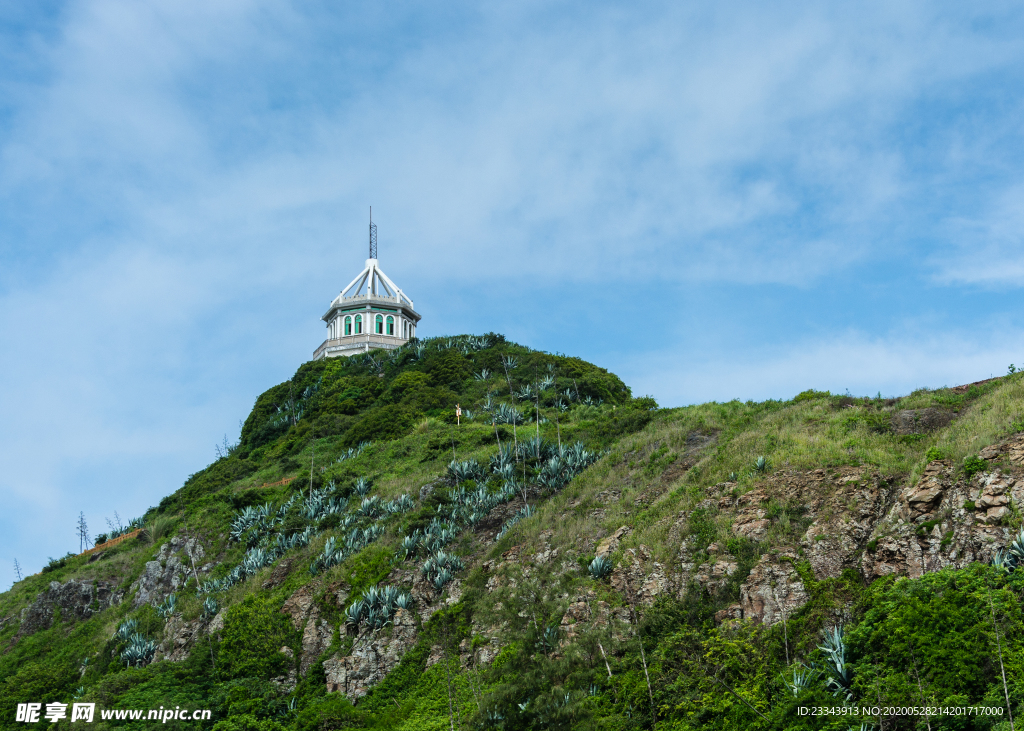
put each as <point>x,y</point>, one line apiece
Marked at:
<point>405,381</point>
<point>810,394</point>
<point>381,424</point>
<point>58,563</point>
<point>644,402</point>
<point>935,453</point>
<point>248,722</point>
<point>973,465</point>
<point>253,634</point>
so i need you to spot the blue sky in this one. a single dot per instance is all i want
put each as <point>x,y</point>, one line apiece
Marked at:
<point>737,201</point>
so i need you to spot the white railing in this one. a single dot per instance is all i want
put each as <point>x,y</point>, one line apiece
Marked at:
<point>365,341</point>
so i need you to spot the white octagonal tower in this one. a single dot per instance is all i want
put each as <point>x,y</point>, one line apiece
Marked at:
<point>371,312</point>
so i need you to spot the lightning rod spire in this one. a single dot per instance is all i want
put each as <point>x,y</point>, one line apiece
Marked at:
<point>373,236</point>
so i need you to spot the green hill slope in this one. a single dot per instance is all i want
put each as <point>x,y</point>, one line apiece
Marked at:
<point>562,555</point>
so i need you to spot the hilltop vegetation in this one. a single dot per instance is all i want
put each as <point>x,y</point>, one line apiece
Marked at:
<point>562,555</point>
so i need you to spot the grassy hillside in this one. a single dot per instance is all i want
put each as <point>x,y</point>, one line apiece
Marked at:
<point>565,556</point>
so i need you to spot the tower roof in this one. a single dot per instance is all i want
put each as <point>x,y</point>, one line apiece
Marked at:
<point>374,282</point>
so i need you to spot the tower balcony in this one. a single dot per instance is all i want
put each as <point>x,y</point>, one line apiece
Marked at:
<point>357,344</point>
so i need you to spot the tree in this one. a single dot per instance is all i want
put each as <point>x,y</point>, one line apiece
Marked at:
<point>83,532</point>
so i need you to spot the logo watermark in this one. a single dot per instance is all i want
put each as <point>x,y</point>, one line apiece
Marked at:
<point>86,712</point>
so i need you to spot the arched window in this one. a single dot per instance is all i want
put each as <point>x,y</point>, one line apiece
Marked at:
<point>348,325</point>
<point>379,324</point>
<point>359,324</point>
<point>391,325</point>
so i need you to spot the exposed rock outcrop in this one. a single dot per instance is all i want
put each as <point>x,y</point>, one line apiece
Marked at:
<point>167,572</point>
<point>74,600</point>
<point>919,421</point>
<point>373,655</point>
<point>317,632</point>
<point>773,590</point>
<point>179,636</point>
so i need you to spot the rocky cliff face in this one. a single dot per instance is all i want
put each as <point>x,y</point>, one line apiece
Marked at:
<point>854,520</point>
<point>170,568</point>
<point>73,601</point>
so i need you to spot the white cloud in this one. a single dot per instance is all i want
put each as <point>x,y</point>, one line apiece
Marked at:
<point>988,250</point>
<point>863,364</point>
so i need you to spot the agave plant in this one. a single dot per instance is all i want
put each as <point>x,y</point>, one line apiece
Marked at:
<point>409,546</point>
<point>210,607</point>
<point>441,579</point>
<point>354,613</point>
<point>371,615</point>
<point>138,652</point>
<point>371,507</point>
<point>362,487</point>
<point>762,464</point>
<point>255,559</point>
<point>840,675</point>
<point>600,568</point>
<point>459,472</point>
<point>1016,548</point>
<point>166,609</point>
<point>803,677</point>
<point>548,641</point>
<point>506,414</point>
<point>503,461</point>
<point>126,629</point>
<point>526,393</point>
<point>1004,561</point>
<point>483,375</point>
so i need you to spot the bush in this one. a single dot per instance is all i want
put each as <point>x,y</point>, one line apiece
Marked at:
<point>254,633</point>
<point>644,402</point>
<point>57,563</point>
<point>405,382</point>
<point>247,722</point>
<point>810,394</point>
<point>973,465</point>
<point>381,424</point>
<point>935,453</point>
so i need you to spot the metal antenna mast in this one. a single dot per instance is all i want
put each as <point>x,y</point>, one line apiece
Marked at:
<point>373,236</point>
